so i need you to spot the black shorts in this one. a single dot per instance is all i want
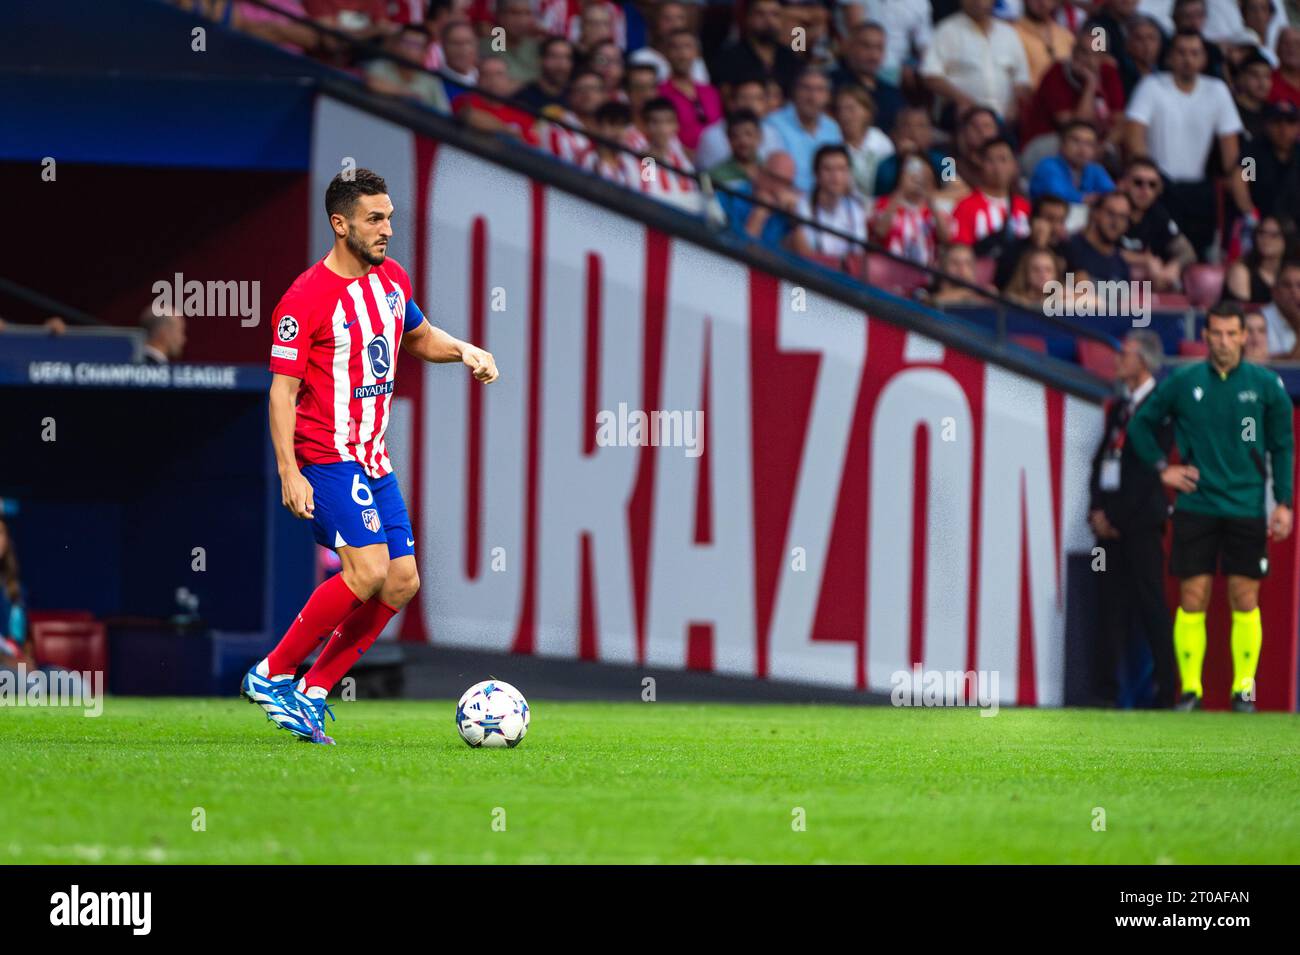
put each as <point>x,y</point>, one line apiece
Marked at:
<point>1204,544</point>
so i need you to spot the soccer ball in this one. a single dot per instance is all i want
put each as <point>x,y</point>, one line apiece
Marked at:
<point>492,714</point>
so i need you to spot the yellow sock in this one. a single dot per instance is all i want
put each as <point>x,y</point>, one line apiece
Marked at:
<point>1189,647</point>
<point>1247,637</point>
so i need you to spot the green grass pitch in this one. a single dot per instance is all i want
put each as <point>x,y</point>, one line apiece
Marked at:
<point>648,782</point>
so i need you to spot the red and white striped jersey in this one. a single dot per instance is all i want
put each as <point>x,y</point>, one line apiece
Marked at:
<point>913,232</point>
<point>623,168</point>
<point>635,140</point>
<point>665,183</point>
<point>980,215</point>
<point>566,144</point>
<point>340,336</point>
<point>564,18</point>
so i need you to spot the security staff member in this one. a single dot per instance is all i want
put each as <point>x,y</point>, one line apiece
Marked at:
<point>1228,414</point>
<point>1127,511</point>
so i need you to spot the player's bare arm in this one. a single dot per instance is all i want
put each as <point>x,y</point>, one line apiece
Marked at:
<point>295,492</point>
<point>433,344</point>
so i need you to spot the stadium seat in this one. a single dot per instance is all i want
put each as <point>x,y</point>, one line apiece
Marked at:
<point>835,263</point>
<point>1032,342</point>
<point>1167,301</point>
<point>1193,349</point>
<point>1097,357</point>
<point>1203,284</point>
<point>70,643</point>
<point>893,276</point>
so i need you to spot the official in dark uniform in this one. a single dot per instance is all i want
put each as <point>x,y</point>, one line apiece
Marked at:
<point>1127,511</point>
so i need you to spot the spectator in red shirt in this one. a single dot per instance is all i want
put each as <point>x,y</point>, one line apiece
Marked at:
<point>697,104</point>
<point>490,115</point>
<point>1286,78</point>
<point>994,215</point>
<point>1085,87</point>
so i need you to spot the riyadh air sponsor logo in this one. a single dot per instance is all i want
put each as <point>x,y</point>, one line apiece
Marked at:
<point>380,359</point>
<point>76,908</point>
<point>371,391</point>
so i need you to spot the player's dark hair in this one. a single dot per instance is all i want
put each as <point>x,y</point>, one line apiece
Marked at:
<point>345,190</point>
<point>1227,308</point>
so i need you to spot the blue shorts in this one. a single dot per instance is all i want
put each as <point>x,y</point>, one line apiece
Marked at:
<point>354,510</point>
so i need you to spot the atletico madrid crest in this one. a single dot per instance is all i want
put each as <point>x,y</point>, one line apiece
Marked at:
<point>370,518</point>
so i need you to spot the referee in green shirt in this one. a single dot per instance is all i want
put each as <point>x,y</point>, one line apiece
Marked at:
<point>1229,416</point>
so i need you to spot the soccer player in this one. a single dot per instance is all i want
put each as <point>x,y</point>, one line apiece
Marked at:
<point>334,359</point>
<point>1227,414</point>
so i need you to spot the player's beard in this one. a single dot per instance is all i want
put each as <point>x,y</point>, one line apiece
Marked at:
<point>368,255</point>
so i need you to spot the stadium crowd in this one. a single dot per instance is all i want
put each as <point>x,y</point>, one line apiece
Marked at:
<point>1007,143</point>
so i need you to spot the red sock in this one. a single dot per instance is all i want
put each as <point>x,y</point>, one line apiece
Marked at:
<point>329,604</point>
<point>353,637</point>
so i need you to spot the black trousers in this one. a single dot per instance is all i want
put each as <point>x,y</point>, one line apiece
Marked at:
<point>1192,207</point>
<point>1132,593</point>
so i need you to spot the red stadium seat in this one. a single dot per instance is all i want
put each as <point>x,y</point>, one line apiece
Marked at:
<point>1097,357</point>
<point>73,644</point>
<point>1192,349</point>
<point>1203,284</point>
<point>1032,342</point>
<point>893,276</point>
<point>829,261</point>
<point>1169,301</point>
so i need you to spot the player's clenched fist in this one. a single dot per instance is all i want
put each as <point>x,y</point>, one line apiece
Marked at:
<point>296,495</point>
<point>481,363</point>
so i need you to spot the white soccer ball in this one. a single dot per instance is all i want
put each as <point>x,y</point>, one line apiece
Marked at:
<point>492,714</point>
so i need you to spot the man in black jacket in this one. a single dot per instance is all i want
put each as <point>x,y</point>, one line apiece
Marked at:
<point>1127,512</point>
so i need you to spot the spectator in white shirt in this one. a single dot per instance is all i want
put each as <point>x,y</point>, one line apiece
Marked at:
<point>714,147</point>
<point>1283,313</point>
<point>1176,118</point>
<point>669,18</point>
<point>833,204</point>
<point>977,60</point>
<point>867,145</point>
